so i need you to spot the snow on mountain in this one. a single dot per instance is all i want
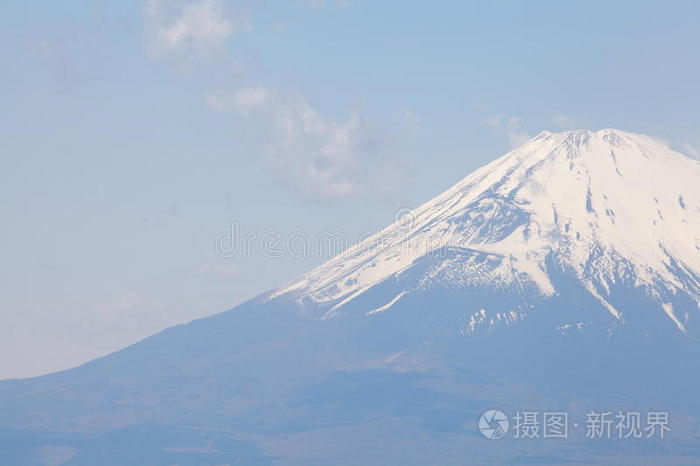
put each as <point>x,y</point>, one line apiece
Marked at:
<point>614,210</point>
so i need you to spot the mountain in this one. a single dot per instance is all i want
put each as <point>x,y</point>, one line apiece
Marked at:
<point>563,276</point>
<point>616,212</point>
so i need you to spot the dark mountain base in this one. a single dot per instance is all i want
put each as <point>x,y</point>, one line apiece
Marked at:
<point>265,385</point>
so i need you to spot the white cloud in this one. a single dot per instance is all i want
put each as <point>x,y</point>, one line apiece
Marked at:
<point>199,27</point>
<point>512,127</point>
<point>321,157</point>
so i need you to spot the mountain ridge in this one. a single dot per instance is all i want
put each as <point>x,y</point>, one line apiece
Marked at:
<point>482,298</point>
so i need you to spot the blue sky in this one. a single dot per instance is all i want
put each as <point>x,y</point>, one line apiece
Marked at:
<point>134,133</point>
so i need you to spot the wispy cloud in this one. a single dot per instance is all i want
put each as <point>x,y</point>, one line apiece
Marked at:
<point>511,127</point>
<point>322,158</point>
<point>197,28</point>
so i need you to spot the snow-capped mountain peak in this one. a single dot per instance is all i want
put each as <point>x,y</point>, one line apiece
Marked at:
<point>611,209</point>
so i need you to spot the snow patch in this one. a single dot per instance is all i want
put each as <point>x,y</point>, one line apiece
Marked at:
<point>388,305</point>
